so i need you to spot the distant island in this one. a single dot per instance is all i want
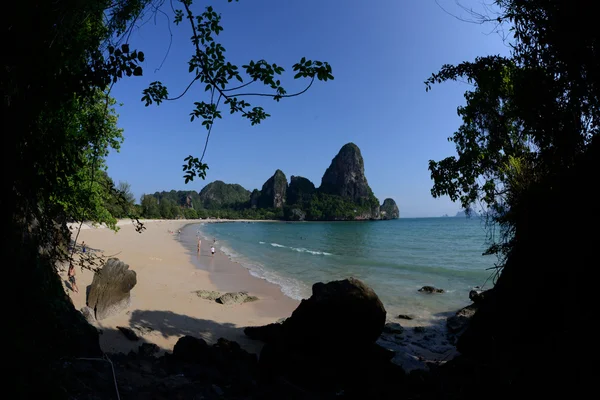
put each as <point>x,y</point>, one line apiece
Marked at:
<point>463,214</point>
<point>344,195</point>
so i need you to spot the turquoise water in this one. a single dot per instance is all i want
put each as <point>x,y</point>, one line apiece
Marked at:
<point>395,258</point>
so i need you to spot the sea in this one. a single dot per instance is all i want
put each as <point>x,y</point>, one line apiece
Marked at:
<point>395,258</point>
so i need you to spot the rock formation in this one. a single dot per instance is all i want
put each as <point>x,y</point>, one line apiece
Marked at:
<point>389,209</point>
<point>110,290</point>
<point>188,202</point>
<point>273,192</point>
<point>430,289</point>
<point>459,322</point>
<point>226,298</point>
<point>254,198</point>
<point>300,190</point>
<point>295,214</point>
<point>219,194</point>
<point>88,314</point>
<point>346,178</point>
<point>344,195</point>
<point>235,298</point>
<point>329,338</point>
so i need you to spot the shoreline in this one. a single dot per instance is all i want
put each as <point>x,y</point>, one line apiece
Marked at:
<point>164,305</point>
<point>228,275</point>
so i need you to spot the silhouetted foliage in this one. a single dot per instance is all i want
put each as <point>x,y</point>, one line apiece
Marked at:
<point>61,60</point>
<point>529,115</point>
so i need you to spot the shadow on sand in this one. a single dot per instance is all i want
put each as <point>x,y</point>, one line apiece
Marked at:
<point>170,325</point>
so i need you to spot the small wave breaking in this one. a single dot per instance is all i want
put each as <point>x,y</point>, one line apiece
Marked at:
<point>289,286</point>
<point>300,249</point>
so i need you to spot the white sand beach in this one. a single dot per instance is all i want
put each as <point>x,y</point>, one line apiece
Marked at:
<point>164,306</point>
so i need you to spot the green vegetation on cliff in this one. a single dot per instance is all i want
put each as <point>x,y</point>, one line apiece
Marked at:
<point>218,195</point>
<point>300,190</point>
<point>346,197</point>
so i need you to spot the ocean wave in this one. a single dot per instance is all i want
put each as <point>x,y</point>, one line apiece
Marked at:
<point>303,250</point>
<point>289,286</point>
<point>228,252</point>
<point>300,249</point>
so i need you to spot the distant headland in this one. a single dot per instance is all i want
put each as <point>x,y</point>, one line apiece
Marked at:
<point>344,195</point>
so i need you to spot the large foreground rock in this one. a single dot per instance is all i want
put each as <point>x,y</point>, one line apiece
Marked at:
<point>329,341</point>
<point>110,290</point>
<point>459,322</point>
<point>347,312</point>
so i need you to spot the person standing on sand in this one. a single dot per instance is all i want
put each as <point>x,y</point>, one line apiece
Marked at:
<point>71,275</point>
<point>212,250</point>
<point>199,244</point>
<point>83,246</point>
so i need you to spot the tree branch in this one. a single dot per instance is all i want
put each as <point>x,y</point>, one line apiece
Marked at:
<point>241,86</point>
<point>186,89</point>
<point>274,95</point>
<point>209,131</point>
<point>199,52</point>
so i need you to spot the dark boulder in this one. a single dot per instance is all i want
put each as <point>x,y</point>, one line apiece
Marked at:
<point>129,333</point>
<point>110,289</point>
<point>329,340</point>
<point>190,349</point>
<point>459,322</point>
<point>268,333</point>
<point>477,296</point>
<point>148,349</point>
<point>393,328</point>
<point>346,311</point>
<point>430,289</point>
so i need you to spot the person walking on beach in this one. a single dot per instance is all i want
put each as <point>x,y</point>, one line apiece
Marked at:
<point>199,244</point>
<point>71,275</point>
<point>212,250</point>
<point>83,246</point>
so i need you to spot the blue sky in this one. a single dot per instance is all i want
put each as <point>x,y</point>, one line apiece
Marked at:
<point>381,51</point>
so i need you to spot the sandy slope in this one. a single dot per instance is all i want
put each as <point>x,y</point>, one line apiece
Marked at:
<point>163,306</point>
